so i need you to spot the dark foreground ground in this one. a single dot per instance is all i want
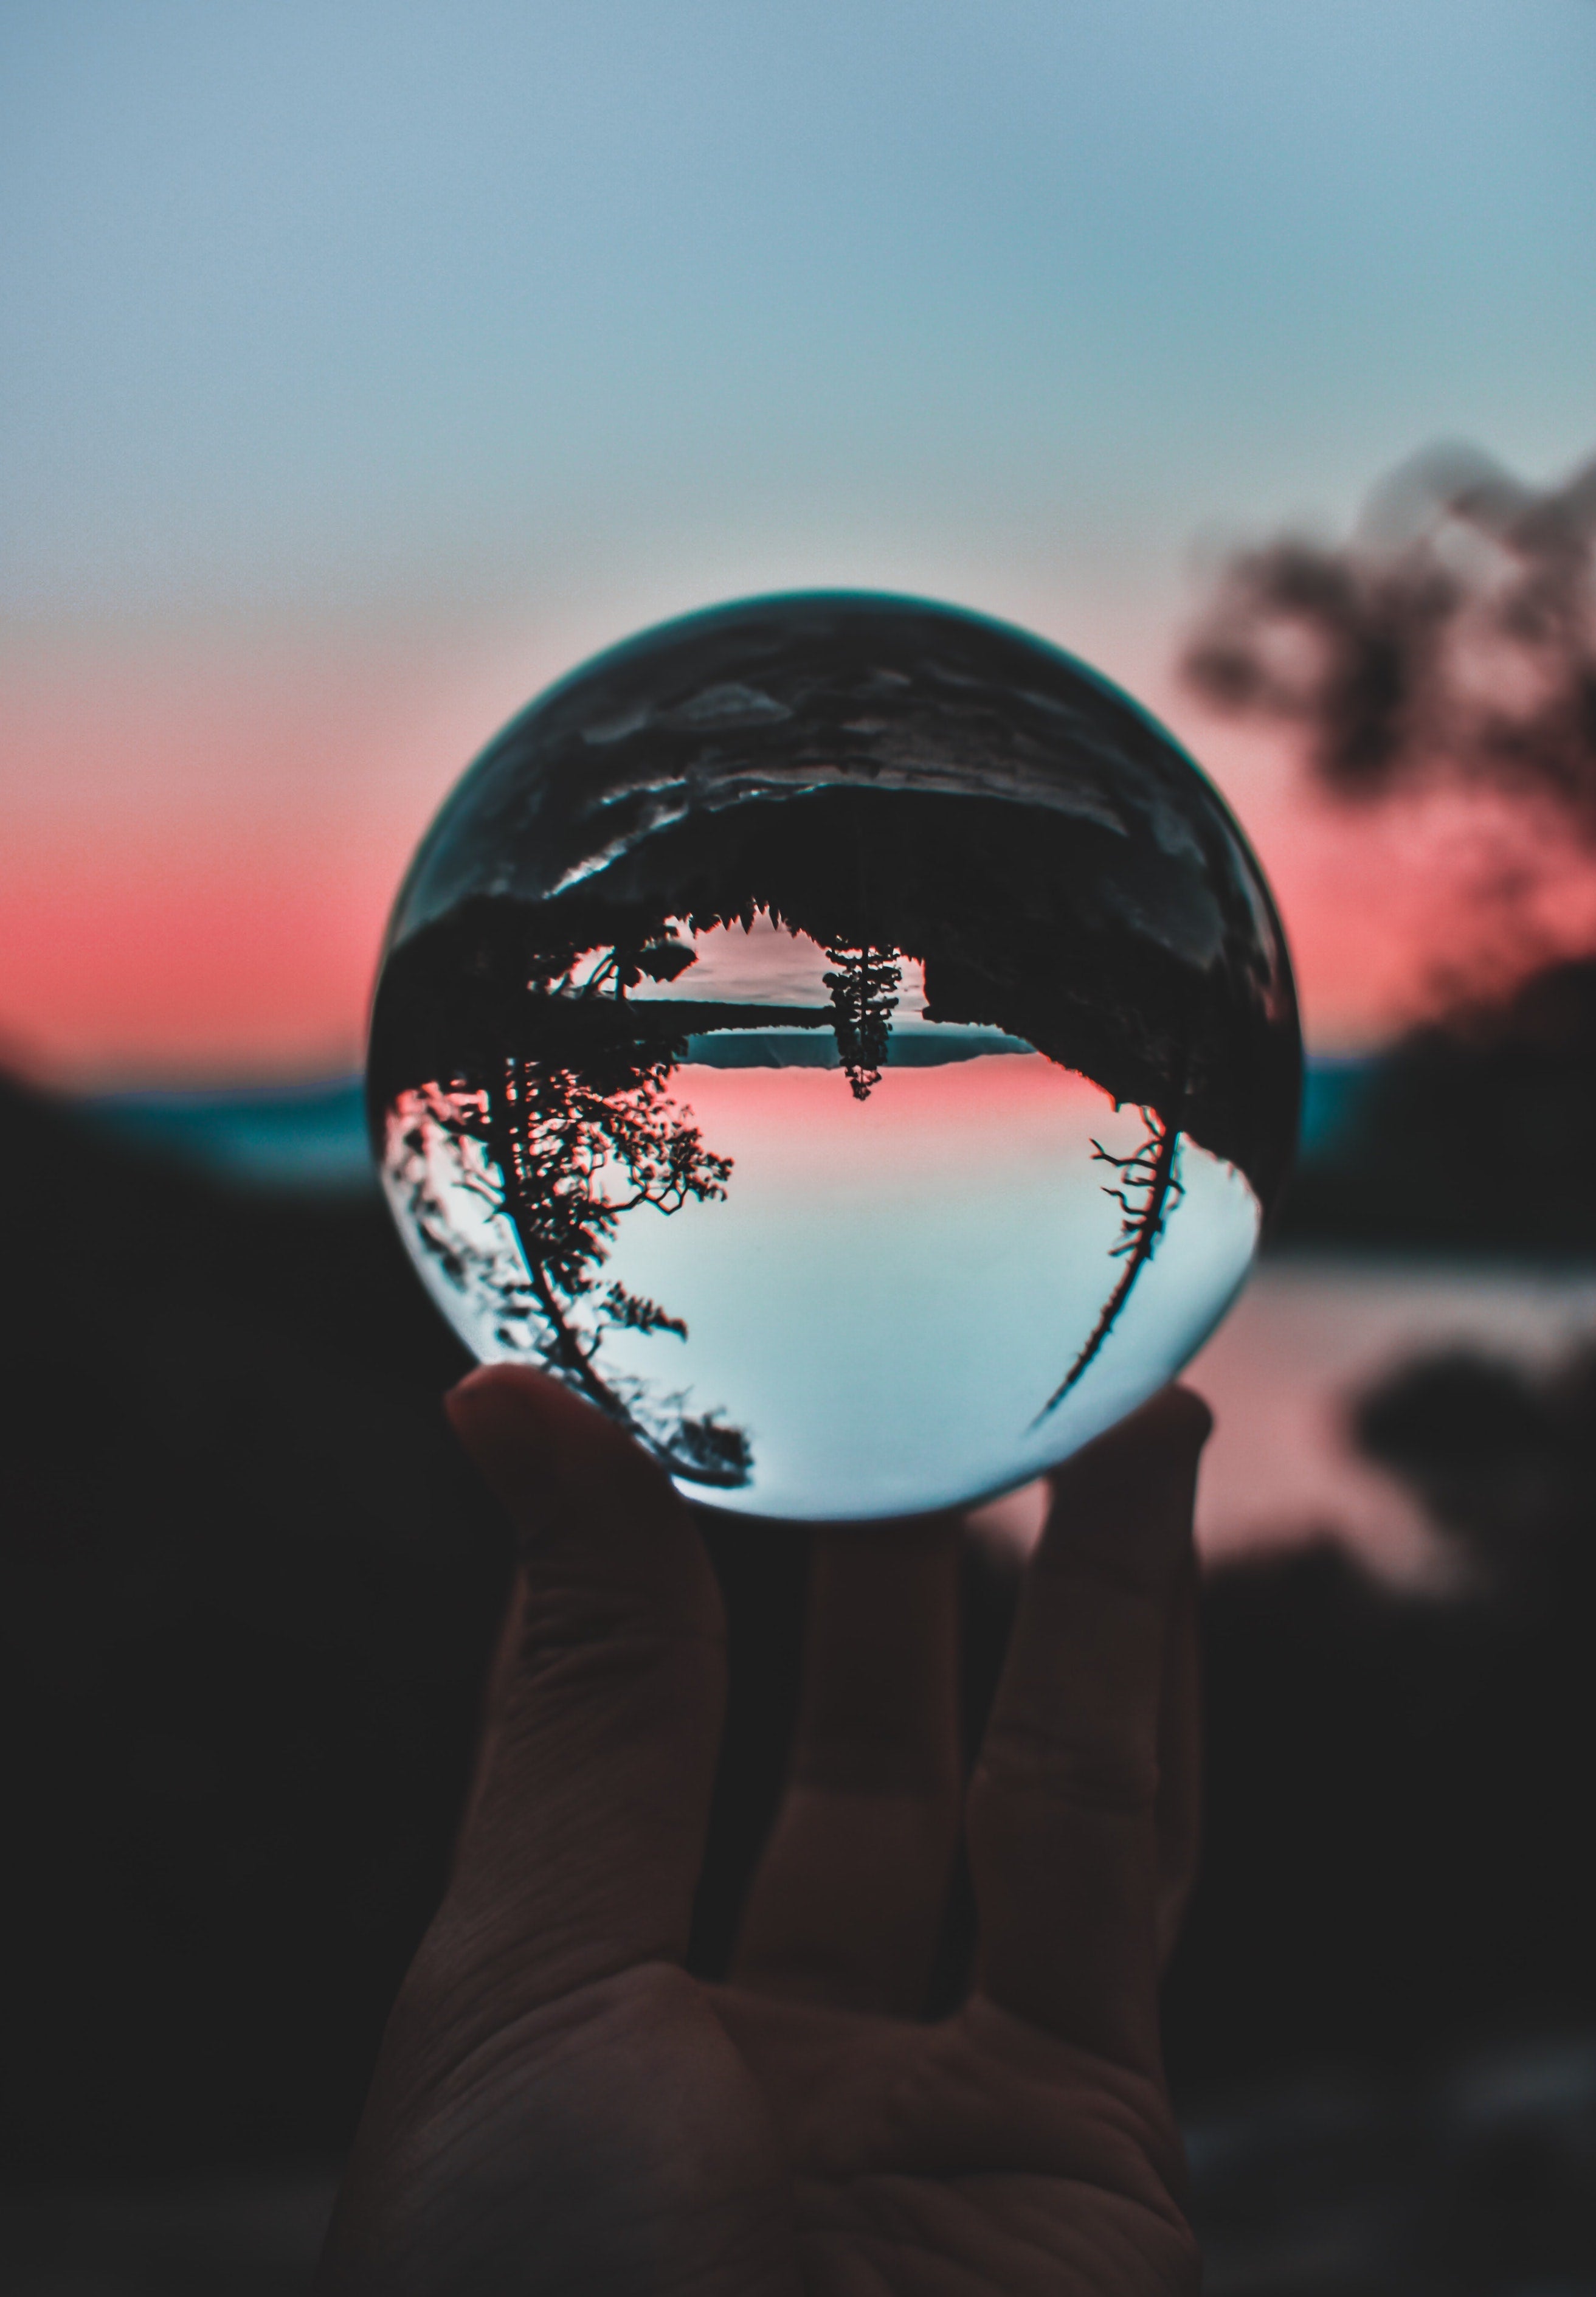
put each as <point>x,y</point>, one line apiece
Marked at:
<point>1477,2177</point>
<point>246,1586</point>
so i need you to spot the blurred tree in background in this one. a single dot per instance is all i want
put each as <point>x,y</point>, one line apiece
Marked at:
<point>1447,652</point>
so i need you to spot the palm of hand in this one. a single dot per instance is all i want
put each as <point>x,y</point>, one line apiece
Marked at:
<point>561,2107</point>
<point>976,2155</point>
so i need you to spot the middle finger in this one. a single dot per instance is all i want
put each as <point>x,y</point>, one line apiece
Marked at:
<point>847,1904</point>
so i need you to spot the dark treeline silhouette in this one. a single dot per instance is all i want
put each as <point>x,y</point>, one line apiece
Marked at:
<point>1398,1851</point>
<point>895,775</point>
<point>1383,2010</point>
<point>1476,1132</point>
<point>247,1586</point>
<point>1010,911</point>
<point>526,1036</point>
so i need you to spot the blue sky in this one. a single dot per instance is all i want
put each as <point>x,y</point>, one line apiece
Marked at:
<point>544,322</point>
<point>331,302</point>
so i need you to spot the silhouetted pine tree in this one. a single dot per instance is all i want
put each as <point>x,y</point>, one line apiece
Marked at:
<point>864,998</point>
<point>1150,1187</point>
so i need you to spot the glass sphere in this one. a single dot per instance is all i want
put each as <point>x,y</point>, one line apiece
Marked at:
<point>848,1041</point>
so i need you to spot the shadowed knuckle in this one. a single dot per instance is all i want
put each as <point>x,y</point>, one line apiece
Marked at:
<point>638,1623</point>
<point>1106,1777</point>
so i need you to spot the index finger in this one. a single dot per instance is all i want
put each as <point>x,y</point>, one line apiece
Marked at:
<point>582,1848</point>
<point>1063,1817</point>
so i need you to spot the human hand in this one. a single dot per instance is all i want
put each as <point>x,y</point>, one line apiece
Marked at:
<point>560,2107</point>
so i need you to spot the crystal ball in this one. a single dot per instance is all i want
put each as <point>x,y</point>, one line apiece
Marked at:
<point>846,1040</point>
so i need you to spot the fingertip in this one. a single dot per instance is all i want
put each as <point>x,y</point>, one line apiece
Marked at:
<point>1133,1488</point>
<point>1190,1424</point>
<point>515,1403</point>
<point>604,1715</point>
<point>1167,1432</point>
<point>1179,1426</point>
<point>1176,1419</point>
<point>539,1447</point>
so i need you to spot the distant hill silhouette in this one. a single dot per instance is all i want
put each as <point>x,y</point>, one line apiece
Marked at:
<point>1476,1132</point>
<point>246,1586</point>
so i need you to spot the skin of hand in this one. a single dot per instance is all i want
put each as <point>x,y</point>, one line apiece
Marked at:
<point>559,2107</point>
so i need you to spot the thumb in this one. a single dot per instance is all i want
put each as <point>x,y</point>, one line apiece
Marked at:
<point>581,1853</point>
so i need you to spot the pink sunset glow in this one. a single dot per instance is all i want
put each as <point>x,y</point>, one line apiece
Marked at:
<point>204,841</point>
<point>923,1119</point>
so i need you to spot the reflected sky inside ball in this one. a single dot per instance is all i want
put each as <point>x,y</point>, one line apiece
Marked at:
<point>847,1041</point>
<point>883,1296</point>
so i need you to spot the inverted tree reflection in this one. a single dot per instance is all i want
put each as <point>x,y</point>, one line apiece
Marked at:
<point>558,1147</point>
<point>534,1042</point>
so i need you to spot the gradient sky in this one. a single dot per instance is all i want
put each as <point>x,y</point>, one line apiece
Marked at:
<point>367,365</point>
